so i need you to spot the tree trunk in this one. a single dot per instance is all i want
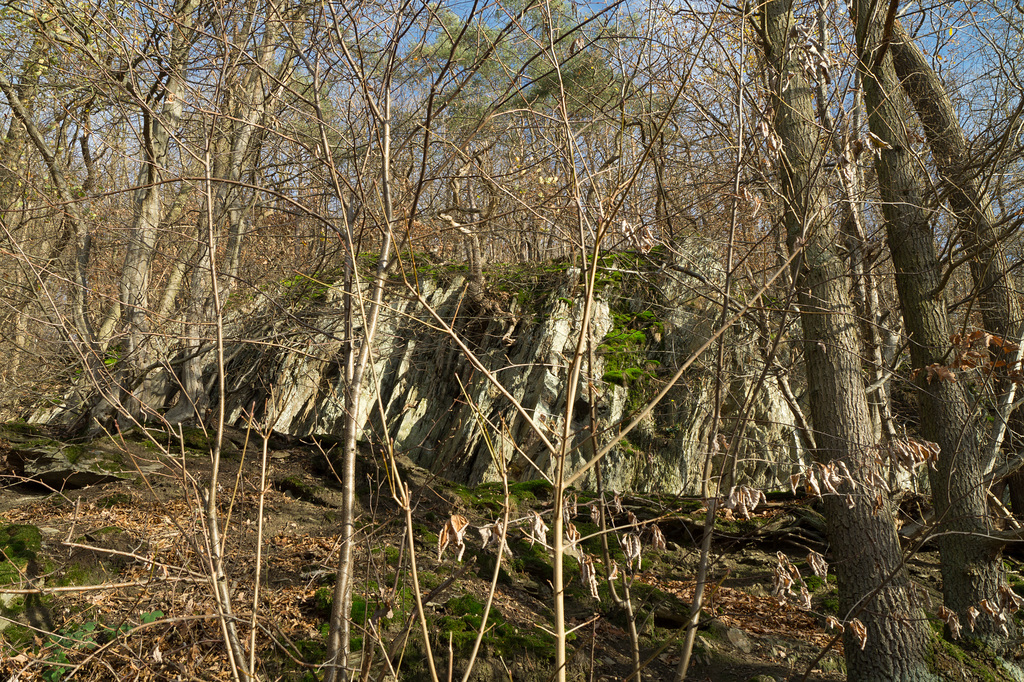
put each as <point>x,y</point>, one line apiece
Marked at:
<point>865,286</point>
<point>17,203</point>
<point>135,278</point>
<point>976,222</point>
<point>873,585</point>
<point>971,568</point>
<point>255,89</point>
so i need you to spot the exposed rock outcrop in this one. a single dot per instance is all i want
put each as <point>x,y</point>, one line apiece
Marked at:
<point>31,456</point>
<point>425,396</point>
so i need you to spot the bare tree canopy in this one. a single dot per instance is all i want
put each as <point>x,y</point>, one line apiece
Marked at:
<point>699,249</point>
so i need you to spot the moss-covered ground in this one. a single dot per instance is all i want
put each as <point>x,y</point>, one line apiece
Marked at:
<point>136,550</point>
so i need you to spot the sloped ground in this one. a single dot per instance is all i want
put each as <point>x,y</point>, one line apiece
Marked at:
<point>125,594</point>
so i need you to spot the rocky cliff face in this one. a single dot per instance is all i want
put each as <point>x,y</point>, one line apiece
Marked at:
<point>425,396</point>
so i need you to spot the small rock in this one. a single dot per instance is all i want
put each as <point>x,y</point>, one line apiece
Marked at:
<point>734,636</point>
<point>757,590</point>
<point>62,465</point>
<point>739,639</point>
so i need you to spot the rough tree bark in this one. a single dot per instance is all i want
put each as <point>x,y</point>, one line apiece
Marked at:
<point>976,221</point>
<point>867,556</point>
<point>971,567</point>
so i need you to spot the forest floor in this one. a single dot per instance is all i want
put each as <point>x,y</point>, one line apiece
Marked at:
<point>114,578</point>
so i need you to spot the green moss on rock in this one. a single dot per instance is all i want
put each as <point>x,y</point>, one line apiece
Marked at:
<point>20,542</point>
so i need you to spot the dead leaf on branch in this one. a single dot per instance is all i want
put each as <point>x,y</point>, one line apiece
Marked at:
<point>924,597</point>
<point>829,478</point>
<point>569,505</point>
<point>452,533</point>
<point>657,538</point>
<point>491,535</point>
<point>1002,622</point>
<point>972,617</point>
<point>812,484</point>
<point>829,475</point>
<point>908,454</point>
<point>876,144</point>
<point>784,576</point>
<point>981,349</point>
<point>744,500</point>
<point>1009,599</point>
<point>873,480</point>
<point>935,371</point>
<point>807,50</point>
<point>773,143</point>
<point>631,548</point>
<point>572,535</point>
<point>860,632</point>
<point>950,618</point>
<point>538,531</point>
<point>804,601</point>
<point>589,575</point>
<point>818,565</point>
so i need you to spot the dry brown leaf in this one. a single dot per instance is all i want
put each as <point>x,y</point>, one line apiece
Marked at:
<point>805,598</point>
<point>538,531</point>
<point>818,565</point>
<point>1009,599</point>
<point>950,618</point>
<point>589,575</point>
<point>631,548</point>
<point>860,632</point>
<point>812,484</point>
<point>570,505</point>
<point>972,617</point>
<point>657,538</point>
<point>452,533</point>
<point>572,535</point>
<point>939,372</point>
<point>744,500</point>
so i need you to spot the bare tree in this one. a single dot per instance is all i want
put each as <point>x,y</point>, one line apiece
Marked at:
<point>971,567</point>
<point>861,526</point>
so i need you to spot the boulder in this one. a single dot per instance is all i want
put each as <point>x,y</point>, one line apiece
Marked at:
<point>35,457</point>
